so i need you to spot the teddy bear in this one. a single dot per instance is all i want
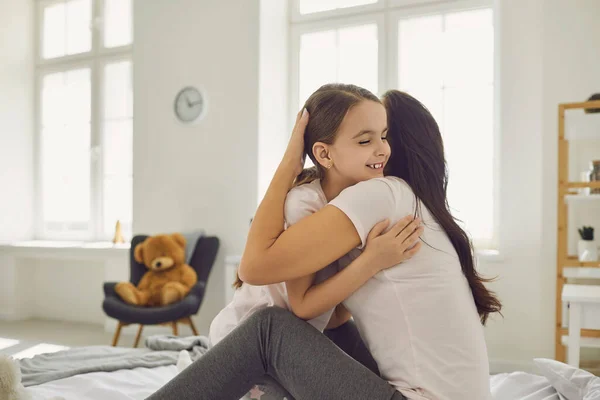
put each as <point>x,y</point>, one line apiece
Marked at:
<point>168,279</point>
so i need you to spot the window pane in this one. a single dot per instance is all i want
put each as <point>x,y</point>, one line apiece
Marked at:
<point>66,174</point>
<point>55,31</point>
<point>118,147</point>
<point>79,34</point>
<point>358,56</point>
<point>65,148</point>
<point>54,94</point>
<point>420,52</point>
<point>469,48</point>
<point>347,55</point>
<point>468,126</point>
<point>118,202</point>
<point>66,98</point>
<point>313,6</point>
<point>66,28</point>
<point>446,61</point>
<point>118,91</point>
<point>117,23</point>
<point>318,62</point>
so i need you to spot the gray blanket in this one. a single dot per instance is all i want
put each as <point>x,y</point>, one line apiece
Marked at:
<point>160,350</point>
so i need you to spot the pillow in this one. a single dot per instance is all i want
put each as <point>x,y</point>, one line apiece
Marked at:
<point>573,383</point>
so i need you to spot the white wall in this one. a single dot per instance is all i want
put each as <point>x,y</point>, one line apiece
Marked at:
<point>205,175</point>
<point>16,116</point>
<point>273,89</point>
<point>548,57</point>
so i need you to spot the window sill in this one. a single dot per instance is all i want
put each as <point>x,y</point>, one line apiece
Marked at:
<point>64,249</point>
<point>489,256</point>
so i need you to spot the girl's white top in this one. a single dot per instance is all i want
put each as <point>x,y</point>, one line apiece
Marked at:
<point>301,201</point>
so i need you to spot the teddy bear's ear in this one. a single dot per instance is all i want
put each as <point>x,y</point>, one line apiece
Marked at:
<point>138,253</point>
<point>179,239</point>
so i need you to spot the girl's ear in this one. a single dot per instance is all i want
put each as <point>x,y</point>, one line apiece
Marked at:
<point>321,153</point>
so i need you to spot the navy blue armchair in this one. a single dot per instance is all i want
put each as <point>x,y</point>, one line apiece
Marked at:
<point>202,260</point>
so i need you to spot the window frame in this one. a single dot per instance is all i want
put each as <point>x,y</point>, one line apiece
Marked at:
<point>387,14</point>
<point>335,13</point>
<point>95,60</point>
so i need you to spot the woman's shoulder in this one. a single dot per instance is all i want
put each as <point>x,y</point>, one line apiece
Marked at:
<point>384,184</point>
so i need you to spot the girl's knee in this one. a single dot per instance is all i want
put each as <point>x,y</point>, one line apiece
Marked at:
<point>276,315</point>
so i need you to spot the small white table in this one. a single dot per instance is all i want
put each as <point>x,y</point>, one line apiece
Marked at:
<point>584,313</point>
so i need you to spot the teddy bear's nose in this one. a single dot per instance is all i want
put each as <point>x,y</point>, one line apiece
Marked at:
<point>158,264</point>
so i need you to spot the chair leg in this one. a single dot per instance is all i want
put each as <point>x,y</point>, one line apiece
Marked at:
<point>192,326</point>
<point>174,323</point>
<point>137,337</point>
<point>117,334</point>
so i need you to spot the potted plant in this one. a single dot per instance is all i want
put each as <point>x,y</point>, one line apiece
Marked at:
<point>586,248</point>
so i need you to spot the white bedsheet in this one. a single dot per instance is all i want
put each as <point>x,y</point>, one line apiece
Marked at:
<point>139,383</point>
<point>521,386</point>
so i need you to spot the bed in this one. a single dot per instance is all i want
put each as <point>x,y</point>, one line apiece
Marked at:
<point>139,383</point>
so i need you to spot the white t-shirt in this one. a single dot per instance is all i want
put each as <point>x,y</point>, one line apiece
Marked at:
<point>300,202</point>
<point>418,318</point>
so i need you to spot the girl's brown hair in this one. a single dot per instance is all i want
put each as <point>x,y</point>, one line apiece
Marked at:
<point>418,158</point>
<point>327,108</point>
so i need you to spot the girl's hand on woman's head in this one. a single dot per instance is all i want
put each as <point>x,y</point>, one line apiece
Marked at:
<point>399,244</point>
<point>294,154</point>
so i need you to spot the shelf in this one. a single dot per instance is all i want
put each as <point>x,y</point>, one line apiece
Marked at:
<point>581,272</point>
<point>581,126</point>
<point>582,197</point>
<point>581,293</point>
<point>577,185</point>
<point>580,105</point>
<point>585,333</point>
<point>574,262</point>
<point>585,342</point>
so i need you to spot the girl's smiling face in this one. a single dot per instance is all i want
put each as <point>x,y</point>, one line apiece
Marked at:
<point>360,150</point>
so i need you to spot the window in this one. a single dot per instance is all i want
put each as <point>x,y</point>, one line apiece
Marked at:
<point>346,54</point>
<point>443,54</point>
<point>314,6</point>
<point>85,100</point>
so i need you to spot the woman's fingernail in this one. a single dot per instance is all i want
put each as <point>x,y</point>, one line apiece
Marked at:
<point>304,112</point>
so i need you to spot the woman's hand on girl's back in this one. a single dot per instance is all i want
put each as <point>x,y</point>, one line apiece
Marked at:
<point>398,244</point>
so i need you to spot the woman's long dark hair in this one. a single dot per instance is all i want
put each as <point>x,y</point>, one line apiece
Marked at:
<point>418,158</point>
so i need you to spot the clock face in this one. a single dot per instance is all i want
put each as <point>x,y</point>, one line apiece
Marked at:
<point>190,104</point>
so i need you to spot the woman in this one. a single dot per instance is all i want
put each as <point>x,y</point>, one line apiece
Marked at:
<point>427,343</point>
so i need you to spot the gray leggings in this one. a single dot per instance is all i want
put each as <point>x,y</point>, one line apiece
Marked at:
<point>276,343</point>
<point>346,337</point>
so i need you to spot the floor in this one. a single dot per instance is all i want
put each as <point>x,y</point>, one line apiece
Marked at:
<point>27,338</point>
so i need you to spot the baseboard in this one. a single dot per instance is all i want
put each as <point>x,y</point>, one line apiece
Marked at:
<point>500,366</point>
<point>12,316</point>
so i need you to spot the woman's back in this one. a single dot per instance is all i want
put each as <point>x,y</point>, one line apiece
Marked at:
<point>418,319</point>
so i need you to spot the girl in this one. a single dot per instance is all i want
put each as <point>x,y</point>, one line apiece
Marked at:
<point>340,111</point>
<point>420,321</point>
